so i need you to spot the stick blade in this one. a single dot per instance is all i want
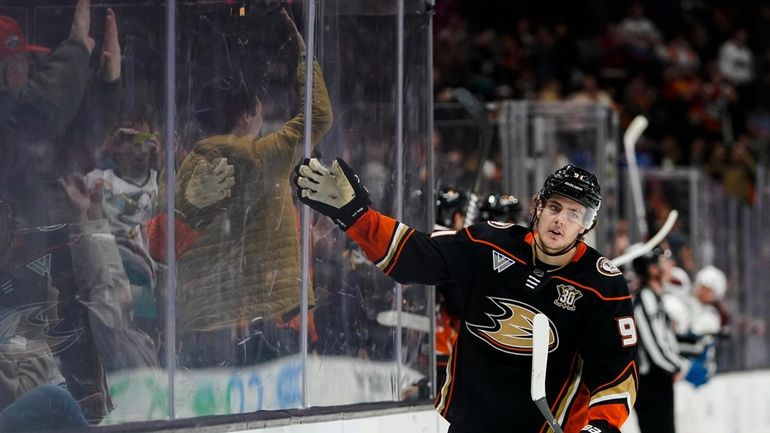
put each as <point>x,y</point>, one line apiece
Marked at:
<point>657,238</point>
<point>540,337</point>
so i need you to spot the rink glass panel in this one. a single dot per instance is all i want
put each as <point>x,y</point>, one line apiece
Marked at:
<point>229,340</point>
<point>360,342</point>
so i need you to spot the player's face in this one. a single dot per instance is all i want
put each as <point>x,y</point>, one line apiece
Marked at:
<point>560,223</point>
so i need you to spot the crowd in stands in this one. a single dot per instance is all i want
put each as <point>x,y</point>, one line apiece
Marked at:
<point>701,75</point>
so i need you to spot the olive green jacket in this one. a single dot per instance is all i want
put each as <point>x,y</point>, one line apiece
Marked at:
<point>246,264</point>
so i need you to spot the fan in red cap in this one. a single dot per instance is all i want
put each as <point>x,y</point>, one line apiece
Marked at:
<point>12,40</point>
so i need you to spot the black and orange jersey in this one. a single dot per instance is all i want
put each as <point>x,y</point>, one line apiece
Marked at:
<point>591,377</point>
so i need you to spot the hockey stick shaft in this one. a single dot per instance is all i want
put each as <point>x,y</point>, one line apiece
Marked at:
<point>650,244</point>
<point>541,335</point>
<point>476,109</point>
<point>630,138</point>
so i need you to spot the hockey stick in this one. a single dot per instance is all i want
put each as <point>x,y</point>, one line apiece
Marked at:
<point>630,138</point>
<point>476,109</point>
<point>540,342</point>
<point>650,244</point>
<point>408,320</point>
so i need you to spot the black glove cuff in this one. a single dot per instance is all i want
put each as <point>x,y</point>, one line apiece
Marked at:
<point>350,213</point>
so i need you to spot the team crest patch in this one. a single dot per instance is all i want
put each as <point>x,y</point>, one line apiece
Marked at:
<point>606,267</point>
<point>508,327</point>
<point>568,296</point>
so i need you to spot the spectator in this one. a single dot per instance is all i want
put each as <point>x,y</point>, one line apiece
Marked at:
<point>36,354</point>
<point>24,415</point>
<point>736,61</point>
<point>740,171</point>
<point>241,279</point>
<point>591,92</point>
<point>38,106</point>
<point>131,186</point>
<point>680,55</point>
<point>639,35</point>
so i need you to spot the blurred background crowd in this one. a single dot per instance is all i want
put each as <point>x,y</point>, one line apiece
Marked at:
<point>698,70</point>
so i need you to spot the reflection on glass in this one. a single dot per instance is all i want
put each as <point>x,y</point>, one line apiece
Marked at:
<point>66,302</point>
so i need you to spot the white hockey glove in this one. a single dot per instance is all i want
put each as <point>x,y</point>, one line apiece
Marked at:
<point>336,192</point>
<point>210,183</point>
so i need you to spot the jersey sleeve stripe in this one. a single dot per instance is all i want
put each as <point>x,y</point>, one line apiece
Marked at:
<point>438,233</point>
<point>392,265</point>
<point>398,234</point>
<point>613,401</point>
<point>630,369</point>
<point>449,383</point>
<point>561,405</point>
<point>390,242</point>
<point>496,247</point>
<point>594,291</point>
<point>619,394</point>
<point>374,233</point>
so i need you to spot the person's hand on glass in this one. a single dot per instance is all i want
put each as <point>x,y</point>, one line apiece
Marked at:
<point>109,66</point>
<point>81,25</point>
<point>297,35</point>
<point>86,199</point>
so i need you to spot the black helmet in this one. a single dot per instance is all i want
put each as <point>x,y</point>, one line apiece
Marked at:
<point>578,184</point>
<point>504,208</point>
<point>449,201</point>
<point>641,264</point>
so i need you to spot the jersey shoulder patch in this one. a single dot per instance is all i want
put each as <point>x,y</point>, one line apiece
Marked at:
<point>606,267</point>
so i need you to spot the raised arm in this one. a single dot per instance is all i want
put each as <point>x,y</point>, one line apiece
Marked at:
<point>322,117</point>
<point>43,107</point>
<point>403,253</point>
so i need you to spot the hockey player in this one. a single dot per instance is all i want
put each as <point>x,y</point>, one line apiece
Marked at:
<point>450,208</point>
<point>450,215</point>
<point>503,208</point>
<point>509,273</point>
